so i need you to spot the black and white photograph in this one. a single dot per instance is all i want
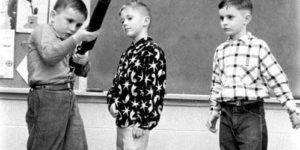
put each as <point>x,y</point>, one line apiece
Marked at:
<point>149,75</point>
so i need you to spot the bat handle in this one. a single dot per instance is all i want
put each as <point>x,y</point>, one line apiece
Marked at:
<point>79,51</point>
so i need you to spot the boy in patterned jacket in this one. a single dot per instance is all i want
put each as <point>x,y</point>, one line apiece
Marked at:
<point>243,70</point>
<point>136,96</point>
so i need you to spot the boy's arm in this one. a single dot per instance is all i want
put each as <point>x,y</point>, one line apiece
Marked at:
<point>214,95</point>
<point>51,49</point>
<point>215,85</point>
<point>112,97</point>
<point>275,77</point>
<point>277,80</point>
<point>153,88</point>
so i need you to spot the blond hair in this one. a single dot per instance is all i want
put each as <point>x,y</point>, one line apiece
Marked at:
<point>142,7</point>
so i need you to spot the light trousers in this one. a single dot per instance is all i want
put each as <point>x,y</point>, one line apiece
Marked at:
<point>126,141</point>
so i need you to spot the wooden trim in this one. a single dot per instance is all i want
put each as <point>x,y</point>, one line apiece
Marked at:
<point>190,100</point>
<point>82,83</point>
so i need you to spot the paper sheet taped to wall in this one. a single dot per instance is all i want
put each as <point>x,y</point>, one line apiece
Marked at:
<point>7,38</point>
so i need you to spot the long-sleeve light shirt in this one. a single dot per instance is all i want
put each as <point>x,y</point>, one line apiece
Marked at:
<point>48,57</point>
<point>139,85</point>
<point>244,69</point>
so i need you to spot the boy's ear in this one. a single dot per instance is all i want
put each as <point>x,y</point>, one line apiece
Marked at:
<point>248,18</point>
<point>147,21</point>
<point>52,15</point>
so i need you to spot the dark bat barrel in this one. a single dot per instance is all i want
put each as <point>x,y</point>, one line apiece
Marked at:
<point>95,24</point>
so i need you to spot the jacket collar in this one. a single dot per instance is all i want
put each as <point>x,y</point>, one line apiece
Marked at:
<point>142,41</point>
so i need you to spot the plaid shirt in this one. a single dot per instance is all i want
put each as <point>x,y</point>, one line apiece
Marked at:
<point>243,69</point>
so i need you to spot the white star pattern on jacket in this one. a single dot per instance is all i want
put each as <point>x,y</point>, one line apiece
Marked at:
<point>139,85</point>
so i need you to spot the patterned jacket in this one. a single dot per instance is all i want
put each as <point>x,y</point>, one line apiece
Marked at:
<point>139,85</point>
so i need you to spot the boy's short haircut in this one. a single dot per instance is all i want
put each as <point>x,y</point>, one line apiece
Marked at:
<point>142,7</point>
<point>239,4</point>
<point>75,4</point>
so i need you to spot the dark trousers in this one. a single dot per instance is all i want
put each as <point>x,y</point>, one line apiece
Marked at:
<point>54,122</point>
<point>243,127</point>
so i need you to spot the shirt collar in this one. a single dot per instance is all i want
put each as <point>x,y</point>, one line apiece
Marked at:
<point>245,38</point>
<point>142,41</point>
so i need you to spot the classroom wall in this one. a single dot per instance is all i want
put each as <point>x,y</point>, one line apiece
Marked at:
<point>182,125</point>
<point>189,32</point>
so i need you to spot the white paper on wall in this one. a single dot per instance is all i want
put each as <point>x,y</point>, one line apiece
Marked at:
<point>7,38</point>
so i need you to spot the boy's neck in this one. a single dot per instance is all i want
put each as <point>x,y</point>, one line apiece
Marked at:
<point>57,34</point>
<point>142,35</point>
<point>238,35</point>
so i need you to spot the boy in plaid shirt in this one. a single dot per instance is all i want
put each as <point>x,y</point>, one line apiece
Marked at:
<point>243,68</point>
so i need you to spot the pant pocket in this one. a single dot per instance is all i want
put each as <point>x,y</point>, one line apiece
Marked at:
<point>257,111</point>
<point>32,108</point>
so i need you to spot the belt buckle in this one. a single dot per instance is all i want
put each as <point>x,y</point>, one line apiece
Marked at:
<point>42,86</point>
<point>238,103</point>
<point>70,85</point>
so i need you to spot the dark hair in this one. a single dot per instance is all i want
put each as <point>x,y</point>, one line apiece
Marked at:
<point>75,4</point>
<point>239,4</point>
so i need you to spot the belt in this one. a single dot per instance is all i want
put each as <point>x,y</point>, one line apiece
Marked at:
<point>54,87</point>
<point>238,103</point>
<point>240,106</point>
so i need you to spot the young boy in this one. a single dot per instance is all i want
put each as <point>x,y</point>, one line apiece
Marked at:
<point>243,67</point>
<point>136,97</point>
<point>53,117</point>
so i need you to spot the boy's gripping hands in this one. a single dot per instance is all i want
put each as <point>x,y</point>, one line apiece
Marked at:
<point>212,121</point>
<point>84,35</point>
<point>80,59</point>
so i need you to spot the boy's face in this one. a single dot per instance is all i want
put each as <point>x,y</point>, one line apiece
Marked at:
<point>67,21</point>
<point>234,21</point>
<point>132,22</point>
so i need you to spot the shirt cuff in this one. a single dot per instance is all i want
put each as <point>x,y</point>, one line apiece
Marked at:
<point>215,113</point>
<point>291,106</point>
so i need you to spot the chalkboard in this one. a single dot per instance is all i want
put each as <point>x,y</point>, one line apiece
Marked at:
<point>189,32</point>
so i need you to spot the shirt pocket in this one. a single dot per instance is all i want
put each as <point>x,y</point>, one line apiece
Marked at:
<point>250,74</point>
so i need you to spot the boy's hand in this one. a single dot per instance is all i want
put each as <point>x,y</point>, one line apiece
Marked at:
<point>294,113</point>
<point>212,121</point>
<point>80,59</point>
<point>113,111</point>
<point>137,132</point>
<point>295,119</point>
<point>84,35</point>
